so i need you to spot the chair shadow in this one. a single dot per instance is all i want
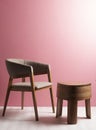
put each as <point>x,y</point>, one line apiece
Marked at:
<point>10,113</point>
<point>50,119</point>
<point>44,118</point>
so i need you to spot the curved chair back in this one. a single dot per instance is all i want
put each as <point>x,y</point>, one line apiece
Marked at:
<point>16,68</point>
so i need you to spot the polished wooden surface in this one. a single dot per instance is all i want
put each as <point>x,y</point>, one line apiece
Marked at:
<point>73,93</point>
<point>23,69</point>
<point>78,92</point>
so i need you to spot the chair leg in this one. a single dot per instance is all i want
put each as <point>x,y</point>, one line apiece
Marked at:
<point>88,108</point>
<point>22,100</point>
<point>22,96</point>
<point>35,106</point>
<point>6,101</point>
<point>52,101</point>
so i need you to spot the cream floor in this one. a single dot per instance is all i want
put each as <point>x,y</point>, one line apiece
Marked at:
<point>17,119</point>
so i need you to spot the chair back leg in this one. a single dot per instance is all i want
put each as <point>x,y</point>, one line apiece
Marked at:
<point>22,100</point>
<point>52,101</point>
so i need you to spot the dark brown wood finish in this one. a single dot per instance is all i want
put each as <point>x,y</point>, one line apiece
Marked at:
<point>73,93</point>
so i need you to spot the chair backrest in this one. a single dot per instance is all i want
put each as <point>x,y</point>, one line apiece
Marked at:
<point>16,68</point>
<point>38,68</point>
<point>23,68</point>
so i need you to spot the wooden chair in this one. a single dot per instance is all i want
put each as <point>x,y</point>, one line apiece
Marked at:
<point>19,68</point>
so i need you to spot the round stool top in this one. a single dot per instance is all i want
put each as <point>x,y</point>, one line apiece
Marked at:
<point>75,83</point>
<point>78,91</point>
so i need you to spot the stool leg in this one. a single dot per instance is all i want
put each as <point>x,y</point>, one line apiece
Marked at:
<point>88,108</point>
<point>72,112</point>
<point>59,107</point>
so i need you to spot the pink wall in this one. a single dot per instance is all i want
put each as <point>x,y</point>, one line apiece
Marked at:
<point>59,32</point>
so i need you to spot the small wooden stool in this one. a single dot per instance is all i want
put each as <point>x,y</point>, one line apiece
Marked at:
<point>72,93</point>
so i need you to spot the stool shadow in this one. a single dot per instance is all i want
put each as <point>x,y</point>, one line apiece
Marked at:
<point>53,120</point>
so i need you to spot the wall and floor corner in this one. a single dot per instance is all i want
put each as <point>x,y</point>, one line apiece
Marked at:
<point>59,32</point>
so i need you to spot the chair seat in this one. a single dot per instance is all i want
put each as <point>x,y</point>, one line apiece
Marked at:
<point>21,86</point>
<point>39,85</point>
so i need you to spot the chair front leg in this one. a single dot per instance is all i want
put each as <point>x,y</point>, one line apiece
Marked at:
<point>6,101</point>
<point>35,105</point>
